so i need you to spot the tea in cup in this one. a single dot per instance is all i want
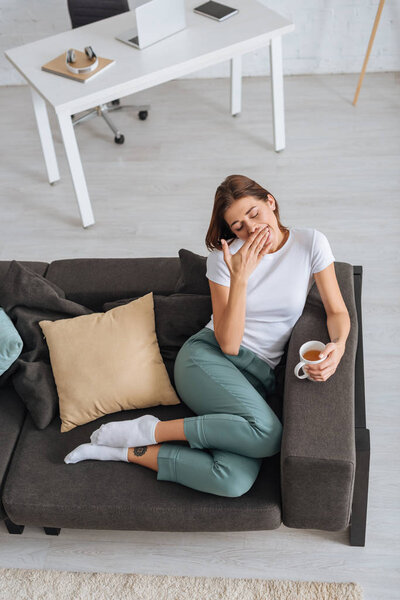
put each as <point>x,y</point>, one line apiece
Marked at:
<point>309,355</point>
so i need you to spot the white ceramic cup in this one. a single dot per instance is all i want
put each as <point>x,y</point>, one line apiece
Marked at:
<point>313,345</point>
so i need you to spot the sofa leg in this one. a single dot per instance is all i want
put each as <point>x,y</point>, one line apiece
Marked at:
<point>360,495</point>
<point>12,527</point>
<point>52,530</point>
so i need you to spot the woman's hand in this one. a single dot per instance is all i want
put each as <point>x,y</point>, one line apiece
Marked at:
<point>324,370</point>
<point>244,261</point>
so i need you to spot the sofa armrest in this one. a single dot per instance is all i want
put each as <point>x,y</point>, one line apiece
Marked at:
<point>318,456</point>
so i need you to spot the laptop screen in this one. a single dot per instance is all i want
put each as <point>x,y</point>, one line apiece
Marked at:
<point>159,19</point>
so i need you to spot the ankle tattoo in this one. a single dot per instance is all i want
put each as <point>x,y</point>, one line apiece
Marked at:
<point>140,450</point>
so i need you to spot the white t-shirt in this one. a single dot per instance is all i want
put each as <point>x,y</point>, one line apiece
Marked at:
<point>277,289</point>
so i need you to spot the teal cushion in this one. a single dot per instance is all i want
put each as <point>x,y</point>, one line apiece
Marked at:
<point>10,342</point>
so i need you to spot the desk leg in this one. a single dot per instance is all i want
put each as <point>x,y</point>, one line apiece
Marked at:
<point>42,120</point>
<point>236,85</point>
<point>275,55</point>
<point>75,166</point>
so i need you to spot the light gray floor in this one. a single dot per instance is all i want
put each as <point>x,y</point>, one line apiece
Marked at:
<point>339,173</point>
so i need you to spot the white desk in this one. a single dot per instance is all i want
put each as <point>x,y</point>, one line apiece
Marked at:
<point>204,42</point>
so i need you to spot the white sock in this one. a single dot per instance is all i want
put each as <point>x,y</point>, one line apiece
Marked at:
<point>93,452</point>
<point>130,433</point>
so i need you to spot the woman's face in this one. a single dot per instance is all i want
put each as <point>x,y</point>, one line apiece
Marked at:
<point>245,214</point>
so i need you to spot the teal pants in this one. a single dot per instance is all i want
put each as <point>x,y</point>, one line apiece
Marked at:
<point>235,427</point>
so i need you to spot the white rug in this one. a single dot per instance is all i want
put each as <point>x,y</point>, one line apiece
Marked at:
<point>18,584</point>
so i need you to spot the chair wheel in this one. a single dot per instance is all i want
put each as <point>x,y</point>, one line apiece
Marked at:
<point>119,139</point>
<point>143,115</point>
<point>115,102</point>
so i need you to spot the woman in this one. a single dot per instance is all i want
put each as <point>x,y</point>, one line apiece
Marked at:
<point>260,273</point>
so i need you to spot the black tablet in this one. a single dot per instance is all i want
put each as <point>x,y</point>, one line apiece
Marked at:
<point>216,11</point>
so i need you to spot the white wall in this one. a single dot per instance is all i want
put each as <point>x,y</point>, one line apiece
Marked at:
<point>331,36</point>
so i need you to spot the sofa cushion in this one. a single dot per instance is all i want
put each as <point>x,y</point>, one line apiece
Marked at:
<point>177,317</point>
<point>106,362</point>
<point>10,342</point>
<point>41,490</point>
<point>12,414</point>
<point>28,298</point>
<point>93,281</point>
<point>192,279</point>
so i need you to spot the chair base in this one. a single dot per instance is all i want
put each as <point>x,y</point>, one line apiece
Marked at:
<point>101,111</point>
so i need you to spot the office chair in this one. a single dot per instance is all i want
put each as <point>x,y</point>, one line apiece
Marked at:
<point>83,12</point>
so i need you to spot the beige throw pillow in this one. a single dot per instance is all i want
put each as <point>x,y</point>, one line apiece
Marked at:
<point>107,362</point>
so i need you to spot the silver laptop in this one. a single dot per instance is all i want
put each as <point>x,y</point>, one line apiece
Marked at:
<point>155,21</point>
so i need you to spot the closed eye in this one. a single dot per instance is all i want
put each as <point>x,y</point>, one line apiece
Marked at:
<point>252,217</point>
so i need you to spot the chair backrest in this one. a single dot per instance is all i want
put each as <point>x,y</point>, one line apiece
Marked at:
<point>83,12</point>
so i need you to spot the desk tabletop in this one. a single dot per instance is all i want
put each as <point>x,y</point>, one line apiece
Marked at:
<point>202,43</point>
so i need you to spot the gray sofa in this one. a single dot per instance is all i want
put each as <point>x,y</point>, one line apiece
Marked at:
<point>318,481</point>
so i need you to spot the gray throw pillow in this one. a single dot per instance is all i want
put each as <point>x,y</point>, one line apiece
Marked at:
<point>193,278</point>
<point>177,317</point>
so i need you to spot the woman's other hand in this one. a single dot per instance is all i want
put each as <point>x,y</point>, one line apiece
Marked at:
<point>324,370</point>
<point>245,260</point>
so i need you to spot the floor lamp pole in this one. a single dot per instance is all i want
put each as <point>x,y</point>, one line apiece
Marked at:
<point>371,41</point>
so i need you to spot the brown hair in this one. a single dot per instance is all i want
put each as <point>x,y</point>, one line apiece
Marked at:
<point>233,188</point>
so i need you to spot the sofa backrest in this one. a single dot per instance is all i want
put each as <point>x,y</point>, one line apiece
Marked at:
<point>94,281</point>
